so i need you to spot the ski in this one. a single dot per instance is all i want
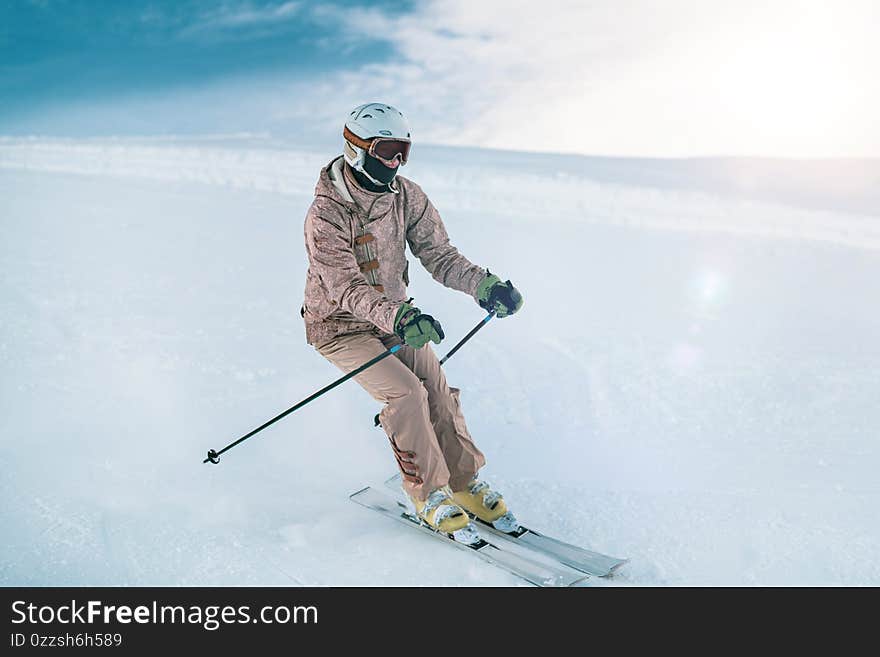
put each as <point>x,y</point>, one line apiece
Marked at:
<point>532,571</point>
<point>586,561</point>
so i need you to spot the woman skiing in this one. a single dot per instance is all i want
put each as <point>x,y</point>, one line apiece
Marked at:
<point>356,307</point>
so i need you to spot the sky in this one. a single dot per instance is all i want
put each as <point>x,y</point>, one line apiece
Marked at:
<point>670,78</point>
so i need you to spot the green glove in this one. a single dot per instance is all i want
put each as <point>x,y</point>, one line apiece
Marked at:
<point>503,298</point>
<point>415,328</point>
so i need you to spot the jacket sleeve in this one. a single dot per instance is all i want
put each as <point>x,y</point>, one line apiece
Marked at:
<point>328,244</point>
<point>429,242</point>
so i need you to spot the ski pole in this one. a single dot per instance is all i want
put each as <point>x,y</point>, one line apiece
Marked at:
<point>461,342</point>
<point>468,336</point>
<point>214,456</point>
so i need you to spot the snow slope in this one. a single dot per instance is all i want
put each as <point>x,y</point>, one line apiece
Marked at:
<point>692,383</point>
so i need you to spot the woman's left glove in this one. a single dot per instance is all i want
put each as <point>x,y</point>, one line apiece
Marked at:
<point>416,328</point>
<point>502,297</point>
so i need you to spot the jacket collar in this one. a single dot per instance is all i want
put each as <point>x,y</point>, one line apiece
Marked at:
<point>337,183</point>
<point>336,177</point>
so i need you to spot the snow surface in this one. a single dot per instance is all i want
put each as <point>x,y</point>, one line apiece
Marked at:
<point>693,381</point>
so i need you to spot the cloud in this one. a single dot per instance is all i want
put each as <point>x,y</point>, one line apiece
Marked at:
<point>630,77</point>
<point>497,73</point>
<point>241,19</point>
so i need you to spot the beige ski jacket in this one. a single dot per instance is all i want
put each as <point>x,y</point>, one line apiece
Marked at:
<point>356,240</point>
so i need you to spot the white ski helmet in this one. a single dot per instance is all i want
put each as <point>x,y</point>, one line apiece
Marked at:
<point>368,121</point>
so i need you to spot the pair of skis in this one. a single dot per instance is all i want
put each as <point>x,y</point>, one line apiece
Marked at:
<point>524,552</point>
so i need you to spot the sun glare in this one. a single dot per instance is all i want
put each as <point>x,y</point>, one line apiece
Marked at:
<point>797,85</point>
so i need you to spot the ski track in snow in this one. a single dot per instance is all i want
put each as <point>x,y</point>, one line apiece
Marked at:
<point>692,382</point>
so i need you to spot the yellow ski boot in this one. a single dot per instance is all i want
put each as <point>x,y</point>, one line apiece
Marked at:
<point>486,504</point>
<point>441,512</point>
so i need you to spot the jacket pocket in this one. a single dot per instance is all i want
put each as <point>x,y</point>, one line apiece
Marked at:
<point>317,305</point>
<point>406,273</point>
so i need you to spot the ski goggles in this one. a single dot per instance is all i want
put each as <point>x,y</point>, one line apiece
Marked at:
<point>388,150</point>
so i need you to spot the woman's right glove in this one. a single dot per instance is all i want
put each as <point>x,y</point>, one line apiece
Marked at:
<point>415,328</point>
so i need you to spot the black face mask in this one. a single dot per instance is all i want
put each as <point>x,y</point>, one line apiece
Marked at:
<point>378,170</point>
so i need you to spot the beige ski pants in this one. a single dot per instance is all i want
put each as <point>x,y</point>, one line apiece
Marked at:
<point>422,414</point>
